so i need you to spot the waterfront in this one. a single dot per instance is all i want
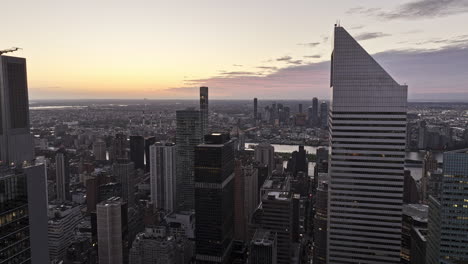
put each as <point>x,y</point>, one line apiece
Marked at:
<point>415,169</point>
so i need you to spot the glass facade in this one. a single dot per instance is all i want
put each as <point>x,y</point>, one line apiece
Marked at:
<point>14,219</point>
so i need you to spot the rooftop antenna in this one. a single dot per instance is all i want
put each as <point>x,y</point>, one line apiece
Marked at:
<point>9,50</point>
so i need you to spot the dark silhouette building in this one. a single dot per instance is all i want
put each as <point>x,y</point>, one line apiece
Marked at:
<point>255,114</point>
<point>137,151</point>
<point>148,142</point>
<point>204,109</point>
<point>214,199</point>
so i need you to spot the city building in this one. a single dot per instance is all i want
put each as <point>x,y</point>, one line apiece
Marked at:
<point>418,245</point>
<point>112,231</point>
<point>320,223</point>
<point>429,165</point>
<point>314,116</point>
<point>448,234</point>
<point>263,247</point>
<point>188,135</point>
<point>99,150</point>
<point>204,109</point>
<point>163,176</point>
<point>414,216</point>
<point>368,137</point>
<point>23,215</point>
<point>255,112</point>
<point>154,245</point>
<point>278,217</point>
<point>149,141</point>
<point>62,175</point>
<point>214,198</point>
<point>265,155</point>
<point>246,198</point>
<point>16,143</point>
<point>324,115</point>
<point>119,147</point>
<point>137,151</point>
<point>63,219</point>
<point>92,190</point>
<point>124,173</point>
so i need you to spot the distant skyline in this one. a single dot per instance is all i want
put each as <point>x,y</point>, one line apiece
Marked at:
<point>240,49</point>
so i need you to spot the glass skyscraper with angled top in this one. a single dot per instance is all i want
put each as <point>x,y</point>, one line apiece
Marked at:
<point>367,138</point>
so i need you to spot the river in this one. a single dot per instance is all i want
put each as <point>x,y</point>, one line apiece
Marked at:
<point>415,169</point>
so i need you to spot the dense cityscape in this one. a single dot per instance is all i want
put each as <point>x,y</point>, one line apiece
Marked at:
<point>362,177</point>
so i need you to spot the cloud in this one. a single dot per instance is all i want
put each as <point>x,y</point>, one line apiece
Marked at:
<point>239,73</point>
<point>267,67</point>
<point>313,56</point>
<point>371,35</point>
<point>237,65</point>
<point>284,58</point>
<point>457,41</point>
<point>427,72</point>
<point>418,9</point>
<point>296,62</point>
<point>311,44</point>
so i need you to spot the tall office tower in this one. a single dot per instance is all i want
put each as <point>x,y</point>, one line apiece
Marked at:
<point>148,142</point>
<point>255,114</point>
<point>265,155</point>
<point>23,215</point>
<point>453,211</point>
<point>315,111</point>
<point>63,219</point>
<point>92,187</point>
<point>429,165</point>
<point>368,136</point>
<point>188,135</point>
<point>119,147</point>
<point>154,245</point>
<point>112,231</point>
<point>137,151</point>
<point>99,150</point>
<point>204,109</point>
<point>300,108</point>
<point>320,223</point>
<point>414,216</point>
<point>124,173</point>
<point>433,231</point>
<point>62,175</point>
<point>214,199</point>
<point>324,115</point>
<point>16,143</point>
<point>163,176</point>
<point>262,248</point>
<point>277,217</point>
<point>245,198</point>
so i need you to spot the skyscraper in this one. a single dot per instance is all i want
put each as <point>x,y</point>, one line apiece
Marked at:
<point>137,151</point>
<point>148,142</point>
<point>214,199</point>
<point>16,143</point>
<point>124,172</point>
<point>448,214</point>
<point>99,150</point>
<point>368,136</point>
<point>23,215</point>
<point>112,231</point>
<point>263,247</point>
<point>255,115</point>
<point>265,154</point>
<point>314,111</point>
<point>119,147</point>
<point>204,109</point>
<point>278,217</point>
<point>163,176</point>
<point>188,135</point>
<point>62,173</point>
<point>324,115</point>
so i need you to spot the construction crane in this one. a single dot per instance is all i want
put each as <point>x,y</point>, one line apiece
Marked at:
<point>9,50</point>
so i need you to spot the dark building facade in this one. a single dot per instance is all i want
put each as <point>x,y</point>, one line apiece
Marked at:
<point>255,113</point>
<point>148,142</point>
<point>16,143</point>
<point>214,199</point>
<point>263,247</point>
<point>137,151</point>
<point>314,115</point>
<point>204,109</point>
